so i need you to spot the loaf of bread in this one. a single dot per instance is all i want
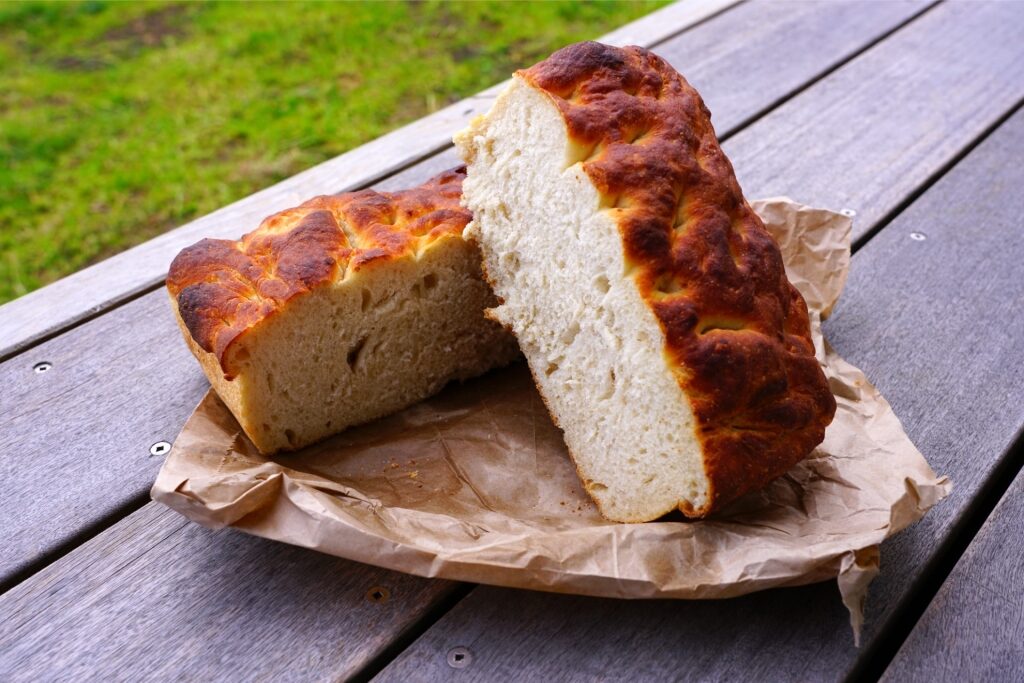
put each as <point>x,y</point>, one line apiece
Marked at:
<point>648,298</point>
<point>339,311</point>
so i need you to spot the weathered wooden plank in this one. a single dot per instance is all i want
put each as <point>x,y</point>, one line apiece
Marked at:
<point>897,113</point>
<point>130,363</point>
<point>80,296</point>
<point>158,598</point>
<point>974,628</point>
<point>75,444</point>
<point>936,323</point>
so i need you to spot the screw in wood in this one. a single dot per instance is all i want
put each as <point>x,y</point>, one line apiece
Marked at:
<point>918,236</point>
<point>378,594</point>
<point>159,448</point>
<point>849,213</point>
<point>459,657</point>
<point>40,368</point>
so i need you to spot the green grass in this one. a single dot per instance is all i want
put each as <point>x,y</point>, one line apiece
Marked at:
<point>119,121</point>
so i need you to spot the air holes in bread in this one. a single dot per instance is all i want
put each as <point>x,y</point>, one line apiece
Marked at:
<point>510,261</point>
<point>602,284</point>
<point>609,387</point>
<point>430,281</point>
<point>569,336</point>
<point>367,298</point>
<point>292,438</point>
<point>353,354</point>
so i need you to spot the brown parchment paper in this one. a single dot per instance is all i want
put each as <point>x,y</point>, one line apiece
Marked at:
<point>475,484</point>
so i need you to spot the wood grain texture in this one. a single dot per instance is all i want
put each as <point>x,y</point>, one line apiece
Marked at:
<point>158,598</point>
<point>75,443</point>
<point>94,289</point>
<point>936,324</point>
<point>974,628</point>
<point>130,362</point>
<point>898,112</point>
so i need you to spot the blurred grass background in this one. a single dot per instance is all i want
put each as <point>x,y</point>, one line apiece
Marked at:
<point>119,121</point>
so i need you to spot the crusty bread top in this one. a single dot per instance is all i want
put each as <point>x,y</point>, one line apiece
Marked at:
<point>224,287</point>
<point>737,332</point>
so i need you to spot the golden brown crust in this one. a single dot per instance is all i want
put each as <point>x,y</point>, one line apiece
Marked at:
<point>223,288</point>
<point>736,330</point>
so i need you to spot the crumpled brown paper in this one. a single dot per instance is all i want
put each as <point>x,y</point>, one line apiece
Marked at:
<point>475,484</point>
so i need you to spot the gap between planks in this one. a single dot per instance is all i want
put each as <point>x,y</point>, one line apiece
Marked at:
<point>155,584</point>
<point>988,570</point>
<point>883,650</point>
<point>888,218</point>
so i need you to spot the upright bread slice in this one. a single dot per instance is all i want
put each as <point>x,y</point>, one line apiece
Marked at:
<point>650,301</point>
<point>341,310</point>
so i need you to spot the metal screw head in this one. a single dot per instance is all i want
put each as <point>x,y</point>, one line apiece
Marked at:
<point>459,657</point>
<point>40,368</point>
<point>918,236</point>
<point>378,594</point>
<point>160,448</point>
<point>849,213</point>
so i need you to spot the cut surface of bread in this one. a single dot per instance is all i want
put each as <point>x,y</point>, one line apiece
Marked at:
<point>339,311</point>
<point>647,296</point>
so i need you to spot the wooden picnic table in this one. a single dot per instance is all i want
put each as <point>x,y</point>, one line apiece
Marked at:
<point>906,112</point>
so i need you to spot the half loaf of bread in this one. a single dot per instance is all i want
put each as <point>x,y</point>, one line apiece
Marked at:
<point>650,302</point>
<point>339,311</point>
